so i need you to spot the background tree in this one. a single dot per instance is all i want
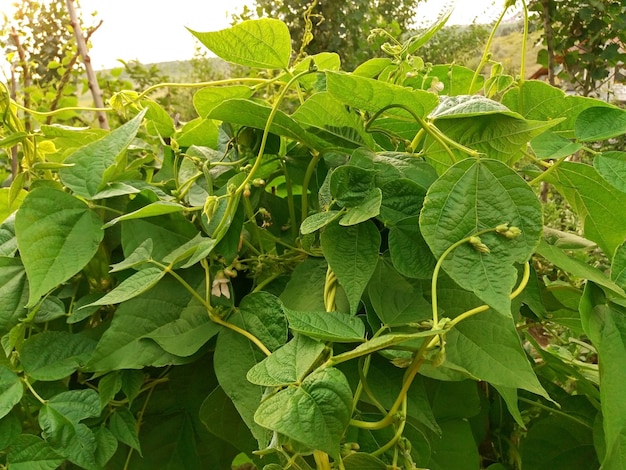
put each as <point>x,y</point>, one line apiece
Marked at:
<point>588,37</point>
<point>341,27</point>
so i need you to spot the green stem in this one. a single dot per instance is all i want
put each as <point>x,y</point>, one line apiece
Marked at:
<point>485,57</point>
<point>290,203</point>
<point>546,173</point>
<point>32,390</point>
<point>228,81</point>
<point>212,316</point>
<point>522,73</point>
<point>396,437</point>
<point>433,287</point>
<point>305,183</point>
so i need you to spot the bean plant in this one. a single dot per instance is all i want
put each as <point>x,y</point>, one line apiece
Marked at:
<point>323,270</point>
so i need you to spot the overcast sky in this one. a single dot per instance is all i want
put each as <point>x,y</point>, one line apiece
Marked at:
<point>154,30</point>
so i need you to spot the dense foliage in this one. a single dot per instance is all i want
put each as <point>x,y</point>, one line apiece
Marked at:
<point>584,40</point>
<point>322,270</point>
<point>341,27</point>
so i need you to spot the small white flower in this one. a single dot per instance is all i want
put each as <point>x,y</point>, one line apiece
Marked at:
<point>219,287</point>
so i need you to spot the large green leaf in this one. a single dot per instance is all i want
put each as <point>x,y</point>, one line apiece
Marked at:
<point>29,452</point>
<point>262,315</point>
<point>315,414</point>
<point>124,427</point>
<point>264,43</point>
<point>618,267</point>
<point>456,448</point>
<point>612,167</point>
<point>6,208</point>
<point>396,301</point>
<point>11,390</point>
<point>134,285</point>
<point>221,418</point>
<point>352,253</point>
<point>87,175</point>
<point>477,195</point>
<point>558,443</point>
<point>605,324</point>
<point>126,344</point>
<point>351,185</point>
<point>54,355</point>
<point>409,252</point>
<point>595,201</point>
<point>60,420</point>
<point>208,98</point>
<point>372,96</point>
<point>252,114</point>
<point>327,326</point>
<point>538,100</point>
<point>488,348</point>
<point>57,235</point>
<point>336,127</point>
<point>600,123</point>
<point>13,292</point>
<point>499,135</point>
<point>288,364</point>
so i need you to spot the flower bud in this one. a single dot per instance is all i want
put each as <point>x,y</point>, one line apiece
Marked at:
<point>478,245</point>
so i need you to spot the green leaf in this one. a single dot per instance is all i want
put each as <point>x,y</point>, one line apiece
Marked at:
<point>8,242</point>
<point>368,209</point>
<point>305,289</point>
<point>124,427</point>
<point>558,443</point>
<point>487,346</point>
<point>60,418</point>
<point>106,446</point>
<point>600,123</point>
<point>351,185</point>
<point>124,345</point>
<point>456,449</point>
<point>371,95</point>
<point>477,195</point>
<point>54,355</point>
<point>316,413</point>
<point>29,452</point>
<point>287,365</point>
<point>140,255</point>
<point>252,114</point>
<point>168,232</point>
<point>316,221</point>
<point>395,300</point>
<point>262,315</point>
<point>327,326</point>
<point>456,79</point>
<point>352,253</point>
<point>612,167</point>
<point>551,145</point>
<point>501,135</point>
<point>151,210</point>
<point>409,252</point>
<point>87,175</point>
<point>132,286</point>
<point>595,201</point>
<point>469,106</point>
<point>221,418</point>
<point>264,43</point>
<point>109,386</point>
<point>402,198</point>
<point>605,324</point>
<point>618,267</point>
<point>540,101</point>
<point>334,126</point>
<point>576,267</point>
<point>206,99</point>
<point>11,390</point>
<point>6,208</point>
<point>57,235</point>
<point>13,293</point>
<point>10,429</point>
